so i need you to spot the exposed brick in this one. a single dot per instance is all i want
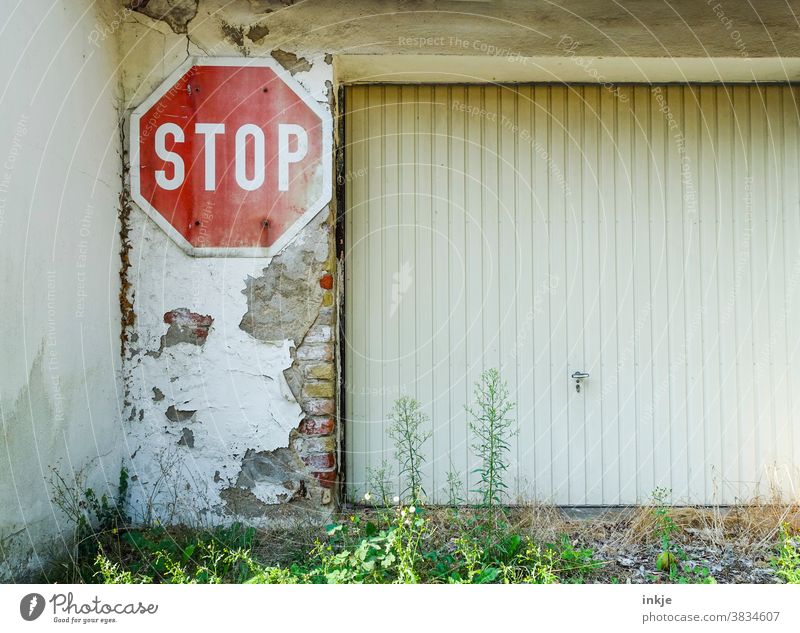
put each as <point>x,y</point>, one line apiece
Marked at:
<point>317,426</point>
<point>320,371</point>
<point>319,406</point>
<point>315,352</point>
<point>319,334</point>
<point>325,316</point>
<point>318,390</point>
<point>320,460</point>
<point>326,479</point>
<point>310,444</point>
<point>326,282</point>
<point>185,326</point>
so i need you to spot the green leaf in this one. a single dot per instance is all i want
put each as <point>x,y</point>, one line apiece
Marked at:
<point>511,544</point>
<point>487,575</point>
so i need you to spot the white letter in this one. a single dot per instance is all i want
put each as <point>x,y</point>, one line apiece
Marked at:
<point>249,129</point>
<point>210,130</point>
<point>171,157</point>
<point>285,156</point>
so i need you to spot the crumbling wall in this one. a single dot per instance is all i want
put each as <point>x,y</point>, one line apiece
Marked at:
<point>228,364</point>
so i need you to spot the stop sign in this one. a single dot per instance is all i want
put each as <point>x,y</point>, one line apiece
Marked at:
<point>231,157</point>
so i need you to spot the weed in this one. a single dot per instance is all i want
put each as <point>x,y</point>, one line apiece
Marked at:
<point>491,427</point>
<point>364,552</point>
<point>407,432</point>
<point>673,560</point>
<point>665,526</point>
<point>379,481</point>
<point>787,561</point>
<point>91,514</point>
<point>455,487</point>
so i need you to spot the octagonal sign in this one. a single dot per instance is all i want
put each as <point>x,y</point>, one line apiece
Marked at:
<point>231,157</point>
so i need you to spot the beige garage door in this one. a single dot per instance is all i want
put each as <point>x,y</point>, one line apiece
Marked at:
<point>648,236</point>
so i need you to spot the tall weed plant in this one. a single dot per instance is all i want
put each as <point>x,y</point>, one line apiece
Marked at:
<point>492,429</point>
<point>409,433</point>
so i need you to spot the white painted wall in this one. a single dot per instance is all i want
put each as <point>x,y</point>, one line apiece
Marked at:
<point>59,268</point>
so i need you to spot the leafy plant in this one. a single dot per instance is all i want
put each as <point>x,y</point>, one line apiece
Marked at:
<point>787,561</point>
<point>672,560</point>
<point>492,429</point>
<point>372,554</point>
<point>155,555</point>
<point>409,435</point>
<point>665,528</point>
<point>574,563</point>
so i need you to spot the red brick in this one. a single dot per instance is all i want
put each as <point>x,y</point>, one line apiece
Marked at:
<point>185,320</point>
<point>320,460</point>
<point>185,317</point>
<point>326,281</point>
<point>319,406</point>
<point>327,479</point>
<point>311,426</point>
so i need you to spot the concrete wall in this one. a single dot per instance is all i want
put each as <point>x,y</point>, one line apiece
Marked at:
<point>59,276</point>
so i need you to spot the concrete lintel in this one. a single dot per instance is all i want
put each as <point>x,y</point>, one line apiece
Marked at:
<point>564,69</point>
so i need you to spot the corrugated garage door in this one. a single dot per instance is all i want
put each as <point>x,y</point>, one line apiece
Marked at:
<point>649,237</point>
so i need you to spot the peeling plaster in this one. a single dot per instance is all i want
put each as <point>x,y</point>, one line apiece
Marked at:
<point>233,383</point>
<point>291,62</point>
<point>219,432</point>
<point>175,13</point>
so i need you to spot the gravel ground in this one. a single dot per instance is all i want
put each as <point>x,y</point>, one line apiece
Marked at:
<point>636,564</point>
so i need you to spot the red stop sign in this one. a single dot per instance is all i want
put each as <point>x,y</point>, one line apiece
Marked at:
<point>231,157</point>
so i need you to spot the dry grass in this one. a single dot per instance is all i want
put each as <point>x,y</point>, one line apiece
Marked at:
<point>751,529</point>
<point>751,526</point>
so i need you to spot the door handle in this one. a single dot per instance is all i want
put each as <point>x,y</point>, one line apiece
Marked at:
<point>579,376</point>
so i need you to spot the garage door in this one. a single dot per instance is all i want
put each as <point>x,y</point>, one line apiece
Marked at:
<point>647,236</point>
